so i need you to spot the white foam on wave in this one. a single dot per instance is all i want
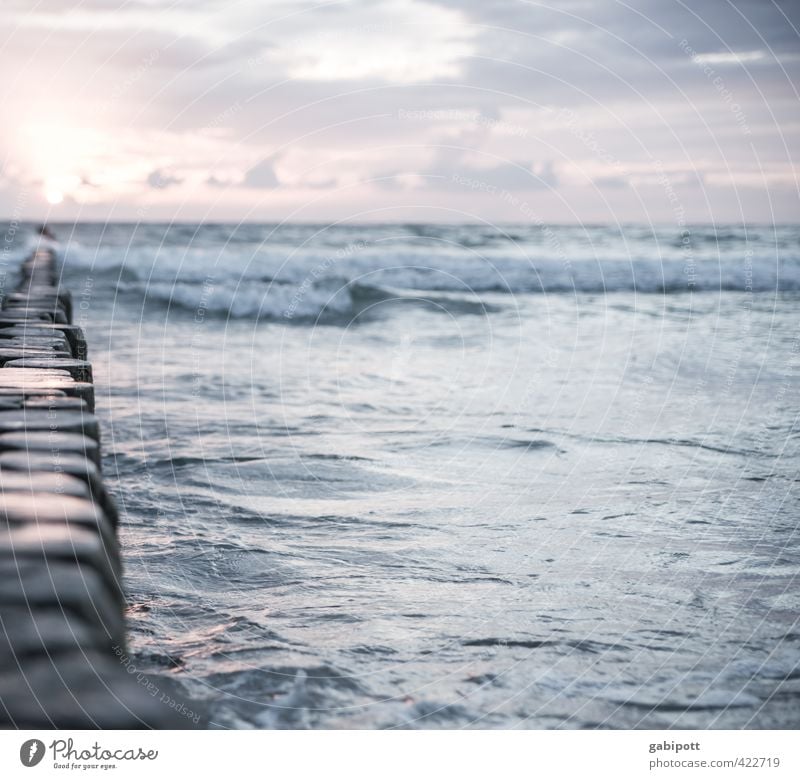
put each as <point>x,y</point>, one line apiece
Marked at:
<point>291,711</point>
<point>269,300</point>
<point>306,279</point>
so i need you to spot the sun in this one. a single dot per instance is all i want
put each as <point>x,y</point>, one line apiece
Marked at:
<point>56,188</point>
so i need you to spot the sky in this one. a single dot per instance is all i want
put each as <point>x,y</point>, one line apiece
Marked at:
<point>569,111</point>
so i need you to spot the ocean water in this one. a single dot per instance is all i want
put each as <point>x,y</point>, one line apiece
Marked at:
<point>417,476</point>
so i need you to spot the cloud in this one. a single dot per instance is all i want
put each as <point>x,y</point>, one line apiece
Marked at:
<point>396,41</point>
<point>520,176</point>
<point>262,175</point>
<point>611,182</point>
<point>729,57</point>
<point>458,169</point>
<point>158,179</point>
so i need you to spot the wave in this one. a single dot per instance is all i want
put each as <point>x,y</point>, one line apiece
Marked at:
<point>303,276</point>
<point>336,297</point>
<point>266,301</point>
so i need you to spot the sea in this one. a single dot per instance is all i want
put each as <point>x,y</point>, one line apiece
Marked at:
<point>452,476</point>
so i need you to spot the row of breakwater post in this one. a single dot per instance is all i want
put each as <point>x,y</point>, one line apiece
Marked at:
<point>63,656</point>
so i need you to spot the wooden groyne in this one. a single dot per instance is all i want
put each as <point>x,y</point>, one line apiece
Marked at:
<point>63,657</point>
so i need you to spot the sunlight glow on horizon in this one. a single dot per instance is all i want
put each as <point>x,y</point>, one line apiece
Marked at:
<point>53,196</point>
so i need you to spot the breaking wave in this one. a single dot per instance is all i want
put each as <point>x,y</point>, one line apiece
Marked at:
<point>302,274</point>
